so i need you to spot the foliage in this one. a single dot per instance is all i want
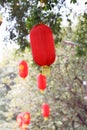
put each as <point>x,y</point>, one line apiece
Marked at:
<point>26,14</point>
<point>80,35</point>
<point>73,1</point>
<point>65,92</point>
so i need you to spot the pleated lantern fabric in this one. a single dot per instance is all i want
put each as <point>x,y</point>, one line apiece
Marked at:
<point>42,45</point>
<point>45,110</point>
<point>19,120</point>
<point>26,118</point>
<point>23,120</point>
<point>41,82</point>
<point>23,69</point>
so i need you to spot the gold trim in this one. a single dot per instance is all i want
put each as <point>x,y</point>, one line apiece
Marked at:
<point>46,70</point>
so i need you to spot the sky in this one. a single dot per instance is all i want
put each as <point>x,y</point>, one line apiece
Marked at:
<point>78,8</point>
<point>4,46</point>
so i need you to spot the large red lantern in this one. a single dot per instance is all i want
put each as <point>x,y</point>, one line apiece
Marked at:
<point>45,110</point>
<point>23,69</point>
<point>23,120</point>
<point>42,45</point>
<point>41,82</point>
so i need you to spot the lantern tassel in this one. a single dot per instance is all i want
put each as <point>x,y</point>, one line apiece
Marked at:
<point>45,118</point>
<point>25,126</point>
<point>42,91</point>
<point>46,70</point>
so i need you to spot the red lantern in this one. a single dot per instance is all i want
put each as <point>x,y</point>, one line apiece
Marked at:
<point>23,120</point>
<point>41,81</point>
<point>45,110</point>
<point>23,69</point>
<point>20,119</point>
<point>26,118</point>
<point>42,45</point>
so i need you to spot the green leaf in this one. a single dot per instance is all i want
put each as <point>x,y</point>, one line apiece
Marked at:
<point>73,1</point>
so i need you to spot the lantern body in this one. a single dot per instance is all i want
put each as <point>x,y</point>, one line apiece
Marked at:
<point>23,69</point>
<point>41,81</point>
<point>45,110</point>
<point>42,45</point>
<point>26,118</point>
<point>20,119</point>
<point>23,120</point>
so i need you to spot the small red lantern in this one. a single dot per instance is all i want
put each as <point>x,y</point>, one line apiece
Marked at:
<point>41,81</point>
<point>23,120</point>
<point>26,118</point>
<point>23,69</point>
<point>42,45</point>
<point>45,110</point>
<point>20,119</point>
